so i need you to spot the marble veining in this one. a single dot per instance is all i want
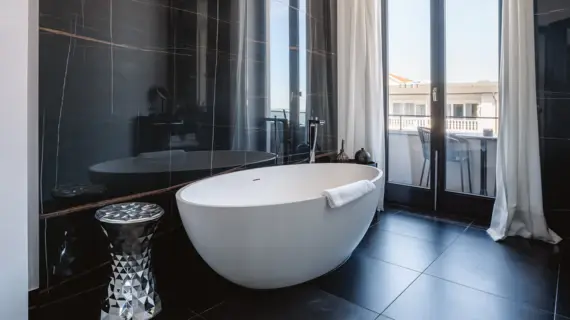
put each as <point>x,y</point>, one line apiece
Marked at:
<point>551,11</point>
<point>145,79</point>
<point>61,111</point>
<point>112,51</point>
<point>112,44</point>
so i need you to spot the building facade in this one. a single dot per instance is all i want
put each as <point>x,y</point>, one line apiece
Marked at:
<point>470,107</point>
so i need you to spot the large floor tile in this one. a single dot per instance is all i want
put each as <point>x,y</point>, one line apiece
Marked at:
<point>368,282</point>
<point>563,298</point>
<point>409,252</point>
<point>519,269</point>
<point>302,302</point>
<point>432,298</point>
<point>425,228</point>
<point>184,279</point>
<point>387,210</point>
<point>87,306</point>
<point>390,209</point>
<point>563,307</point>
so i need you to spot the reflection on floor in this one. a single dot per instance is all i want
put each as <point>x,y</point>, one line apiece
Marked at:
<point>407,267</point>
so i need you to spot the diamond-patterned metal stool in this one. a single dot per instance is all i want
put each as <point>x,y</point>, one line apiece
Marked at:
<point>131,292</point>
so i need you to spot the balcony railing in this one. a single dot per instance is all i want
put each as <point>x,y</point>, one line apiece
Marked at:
<point>452,124</point>
<point>412,122</point>
<point>279,114</point>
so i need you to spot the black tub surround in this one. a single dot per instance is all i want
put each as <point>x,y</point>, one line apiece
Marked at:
<point>138,98</point>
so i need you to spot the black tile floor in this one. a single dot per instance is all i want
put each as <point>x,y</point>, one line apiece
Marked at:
<point>408,266</point>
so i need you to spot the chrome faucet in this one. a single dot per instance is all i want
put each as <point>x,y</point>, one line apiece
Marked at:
<point>314,123</point>
<point>286,135</point>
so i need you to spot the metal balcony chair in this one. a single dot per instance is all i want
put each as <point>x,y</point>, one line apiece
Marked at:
<point>457,150</point>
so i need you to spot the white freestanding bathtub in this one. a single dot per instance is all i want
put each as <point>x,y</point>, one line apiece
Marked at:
<point>271,227</point>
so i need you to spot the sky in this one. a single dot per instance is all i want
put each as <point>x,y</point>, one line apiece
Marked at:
<point>279,54</point>
<point>472,43</point>
<point>472,40</point>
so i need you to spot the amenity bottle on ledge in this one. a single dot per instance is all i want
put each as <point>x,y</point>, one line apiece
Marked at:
<point>363,157</point>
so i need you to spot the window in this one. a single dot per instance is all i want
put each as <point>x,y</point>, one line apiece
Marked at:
<point>409,109</point>
<point>458,111</point>
<point>471,110</point>
<point>279,71</point>
<point>397,109</point>
<point>421,110</point>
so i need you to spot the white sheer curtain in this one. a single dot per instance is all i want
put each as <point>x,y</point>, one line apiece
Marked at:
<point>360,96</point>
<point>518,208</point>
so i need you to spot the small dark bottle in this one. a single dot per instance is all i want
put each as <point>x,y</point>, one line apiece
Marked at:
<point>362,157</point>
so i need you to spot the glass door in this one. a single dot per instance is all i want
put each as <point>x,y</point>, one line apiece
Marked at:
<point>470,104</point>
<point>442,103</point>
<point>408,57</point>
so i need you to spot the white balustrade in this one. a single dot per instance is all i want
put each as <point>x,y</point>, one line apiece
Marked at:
<point>410,123</point>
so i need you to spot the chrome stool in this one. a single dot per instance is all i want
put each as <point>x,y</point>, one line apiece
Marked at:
<point>131,292</point>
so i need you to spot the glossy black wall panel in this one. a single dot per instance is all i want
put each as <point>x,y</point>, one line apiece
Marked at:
<point>94,83</point>
<point>125,83</point>
<point>322,68</point>
<point>555,176</point>
<point>553,93</point>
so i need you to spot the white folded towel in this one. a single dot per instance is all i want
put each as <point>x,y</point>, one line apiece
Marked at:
<point>338,197</point>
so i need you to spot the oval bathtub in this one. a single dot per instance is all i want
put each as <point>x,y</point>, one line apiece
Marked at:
<point>271,227</point>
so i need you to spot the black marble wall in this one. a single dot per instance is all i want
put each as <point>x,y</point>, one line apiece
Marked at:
<point>553,91</point>
<point>131,89</point>
<point>139,97</point>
